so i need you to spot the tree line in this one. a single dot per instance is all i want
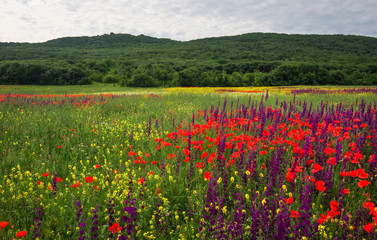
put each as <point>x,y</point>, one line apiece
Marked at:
<point>255,59</point>
<point>254,73</point>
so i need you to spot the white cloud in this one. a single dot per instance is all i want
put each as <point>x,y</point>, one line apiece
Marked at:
<point>42,20</point>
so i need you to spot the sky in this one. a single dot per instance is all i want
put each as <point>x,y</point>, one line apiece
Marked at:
<point>42,20</point>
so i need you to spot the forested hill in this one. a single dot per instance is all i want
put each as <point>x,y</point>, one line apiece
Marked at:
<point>250,59</point>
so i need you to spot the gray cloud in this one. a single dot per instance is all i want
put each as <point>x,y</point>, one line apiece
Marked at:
<point>41,20</point>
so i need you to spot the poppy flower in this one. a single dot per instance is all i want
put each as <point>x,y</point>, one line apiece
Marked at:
<point>316,168</point>
<point>295,214</point>
<point>150,173</point>
<point>45,174</point>
<point>290,176</point>
<point>319,185</point>
<point>98,166</point>
<point>132,153</point>
<point>354,173</point>
<point>96,188</point>
<point>89,179</point>
<point>363,183</point>
<point>345,191</point>
<point>21,234</point>
<point>334,204</point>
<point>204,155</point>
<point>141,181</point>
<point>115,228</point>
<point>369,227</point>
<point>154,162</point>
<point>3,224</point>
<point>368,205</point>
<point>320,188</point>
<point>329,150</point>
<point>264,152</point>
<point>59,179</point>
<point>76,184</point>
<point>332,161</point>
<point>171,155</point>
<point>207,175</point>
<point>39,182</point>
<point>147,154</point>
<point>289,200</point>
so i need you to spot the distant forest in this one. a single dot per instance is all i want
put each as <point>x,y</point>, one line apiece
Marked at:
<point>255,59</point>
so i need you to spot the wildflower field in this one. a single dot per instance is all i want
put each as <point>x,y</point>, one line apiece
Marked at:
<point>188,163</point>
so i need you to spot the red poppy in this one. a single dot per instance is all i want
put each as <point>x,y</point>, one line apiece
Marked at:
<point>334,204</point>
<point>354,173</point>
<point>289,200</point>
<point>59,179</point>
<point>290,176</point>
<point>316,168</point>
<point>329,150</point>
<point>319,185</point>
<point>132,153</point>
<point>320,188</point>
<point>295,214</point>
<point>362,173</point>
<point>369,205</point>
<point>96,188</point>
<point>363,125</point>
<point>76,184</point>
<point>263,152</point>
<point>158,191</point>
<point>147,154</point>
<point>171,155</point>
<point>98,166</point>
<point>204,155</point>
<point>89,179</point>
<point>115,228</point>
<point>39,182</point>
<point>200,165</point>
<point>3,224</point>
<point>141,181</point>
<point>207,175</point>
<point>345,191</point>
<point>45,174</point>
<point>363,183</point>
<point>369,227</point>
<point>154,162</point>
<point>332,161</point>
<point>21,234</point>
<point>150,173</point>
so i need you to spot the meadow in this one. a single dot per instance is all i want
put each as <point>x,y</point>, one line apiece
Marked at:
<point>104,162</point>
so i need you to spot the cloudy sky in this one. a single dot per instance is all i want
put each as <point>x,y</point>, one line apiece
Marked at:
<point>42,20</point>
